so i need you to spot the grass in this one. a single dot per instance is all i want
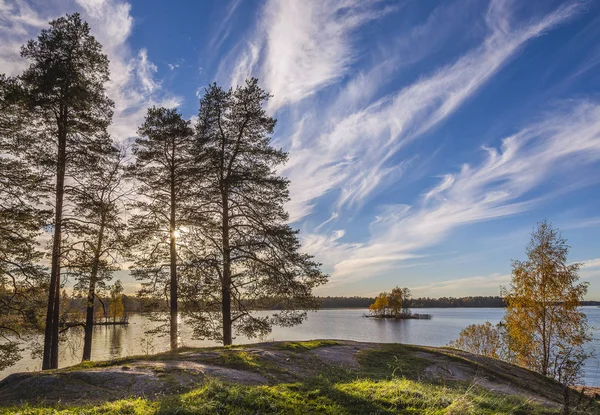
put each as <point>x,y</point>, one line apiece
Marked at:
<point>386,381</point>
<point>392,360</point>
<point>314,396</point>
<point>306,345</point>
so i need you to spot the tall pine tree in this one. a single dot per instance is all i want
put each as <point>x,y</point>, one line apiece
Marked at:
<point>22,280</point>
<point>69,113</point>
<point>162,171</point>
<point>249,254</point>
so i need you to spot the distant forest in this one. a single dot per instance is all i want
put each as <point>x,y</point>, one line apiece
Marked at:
<point>134,304</point>
<point>364,302</point>
<point>443,302</point>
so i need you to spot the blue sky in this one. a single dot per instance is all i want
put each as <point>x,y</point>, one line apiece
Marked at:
<point>426,139</point>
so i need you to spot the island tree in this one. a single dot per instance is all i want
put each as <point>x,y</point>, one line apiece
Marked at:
<point>380,306</point>
<point>22,279</point>
<point>393,304</point>
<point>249,257</point>
<point>94,229</point>
<point>162,172</point>
<point>68,114</point>
<point>545,325</point>
<point>116,308</point>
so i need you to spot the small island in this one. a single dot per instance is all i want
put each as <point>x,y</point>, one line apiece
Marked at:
<point>396,305</point>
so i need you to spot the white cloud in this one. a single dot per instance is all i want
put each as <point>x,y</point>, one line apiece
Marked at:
<point>498,186</point>
<point>17,19</point>
<point>306,45</point>
<point>582,223</point>
<point>462,287</point>
<point>334,216</point>
<point>591,263</point>
<point>347,147</point>
<point>133,84</point>
<point>224,29</point>
<point>590,271</point>
<point>350,148</point>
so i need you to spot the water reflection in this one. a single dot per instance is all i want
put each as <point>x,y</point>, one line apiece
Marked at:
<point>116,337</point>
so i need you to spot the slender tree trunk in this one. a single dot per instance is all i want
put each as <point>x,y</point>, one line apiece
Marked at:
<point>173,255</point>
<point>50,359</point>
<point>89,318</point>
<point>89,325</point>
<point>545,342</point>
<point>226,284</point>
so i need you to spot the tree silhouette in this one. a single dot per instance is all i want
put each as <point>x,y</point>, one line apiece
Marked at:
<point>163,173</point>
<point>95,231</point>
<point>22,279</point>
<point>68,113</point>
<point>249,254</point>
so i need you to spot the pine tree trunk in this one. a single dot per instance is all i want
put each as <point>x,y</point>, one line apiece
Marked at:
<point>226,283</point>
<point>50,359</point>
<point>89,326</point>
<point>173,255</point>
<point>89,318</point>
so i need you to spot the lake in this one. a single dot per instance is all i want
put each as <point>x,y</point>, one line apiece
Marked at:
<point>346,324</point>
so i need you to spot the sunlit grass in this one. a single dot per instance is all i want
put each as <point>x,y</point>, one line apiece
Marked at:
<point>387,381</point>
<point>306,345</point>
<point>316,396</point>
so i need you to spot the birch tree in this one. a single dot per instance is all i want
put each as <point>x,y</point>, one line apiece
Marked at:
<point>544,322</point>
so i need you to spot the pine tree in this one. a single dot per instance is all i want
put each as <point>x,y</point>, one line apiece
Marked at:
<point>162,173</point>
<point>546,329</point>
<point>95,231</point>
<point>68,114</point>
<point>22,280</point>
<point>248,255</point>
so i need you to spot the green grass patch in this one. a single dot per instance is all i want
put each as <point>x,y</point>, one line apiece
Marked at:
<point>306,345</point>
<point>391,360</point>
<point>240,360</point>
<point>314,396</point>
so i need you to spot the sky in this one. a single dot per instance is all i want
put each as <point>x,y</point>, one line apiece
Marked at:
<point>426,139</point>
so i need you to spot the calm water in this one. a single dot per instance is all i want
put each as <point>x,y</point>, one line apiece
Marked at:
<point>348,324</point>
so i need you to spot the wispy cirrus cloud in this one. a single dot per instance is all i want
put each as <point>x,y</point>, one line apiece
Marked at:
<point>592,263</point>
<point>499,186</point>
<point>302,46</point>
<point>224,29</point>
<point>17,20</point>
<point>590,270</point>
<point>133,84</point>
<point>354,148</point>
<point>351,144</point>
<point>462,287</point>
